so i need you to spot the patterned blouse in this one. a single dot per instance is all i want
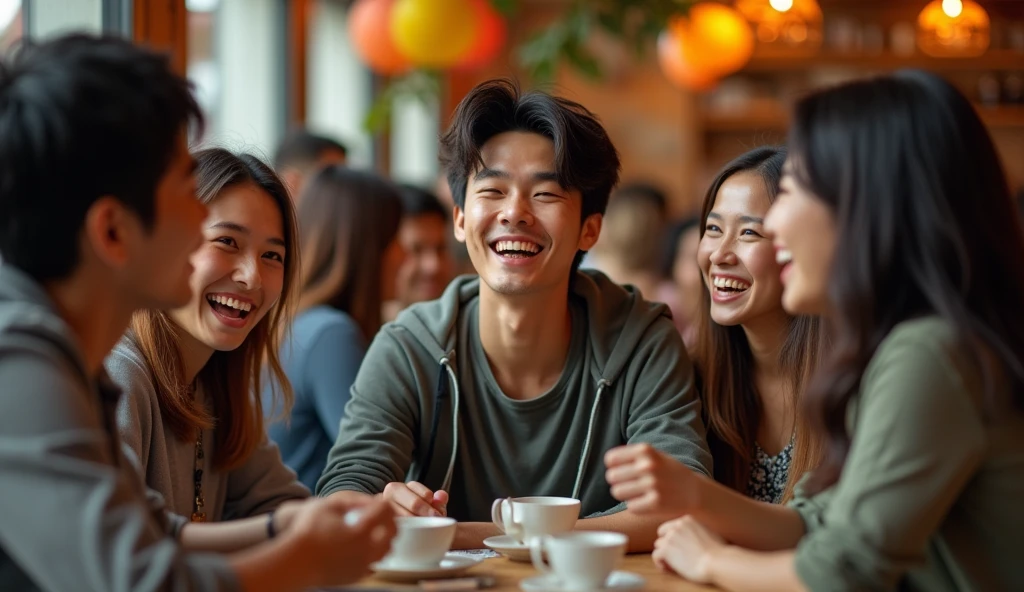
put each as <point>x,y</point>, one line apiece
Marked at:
<point>768,474</point>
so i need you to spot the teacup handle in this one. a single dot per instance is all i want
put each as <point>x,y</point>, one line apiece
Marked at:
<point>496,517</point>
<point>537,553</point>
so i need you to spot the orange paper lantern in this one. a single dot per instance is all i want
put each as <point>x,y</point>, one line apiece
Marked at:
<point>681,74</point>
<point>369,28</point>
<point>433,33</point>
<point>490,36</point>
<point>713,40</point>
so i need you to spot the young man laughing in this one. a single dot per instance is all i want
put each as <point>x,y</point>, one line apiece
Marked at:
<point>515,383</point>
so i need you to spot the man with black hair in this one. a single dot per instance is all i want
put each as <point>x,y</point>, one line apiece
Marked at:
<point>428,265</point>
<point>98,218</point>
<point>303,153</point>
<point>516,383</point>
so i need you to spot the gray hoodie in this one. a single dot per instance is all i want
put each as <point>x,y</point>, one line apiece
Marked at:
<point>627,379</point>
<point>74,514</point>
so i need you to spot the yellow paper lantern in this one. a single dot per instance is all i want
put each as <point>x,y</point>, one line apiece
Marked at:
<point>433,33</point>
<point>789,23</point>
<point>953,28</point>
<point>714,40</point>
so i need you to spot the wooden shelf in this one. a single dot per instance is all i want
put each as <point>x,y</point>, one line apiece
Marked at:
<point>776,119</point>
<point>756,119</point>
<point>996,59</point>
<point>1002,116</point>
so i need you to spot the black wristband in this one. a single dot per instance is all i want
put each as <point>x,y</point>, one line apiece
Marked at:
<point>270,525</point>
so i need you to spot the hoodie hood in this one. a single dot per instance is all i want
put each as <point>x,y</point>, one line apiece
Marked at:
<point>617,317</point>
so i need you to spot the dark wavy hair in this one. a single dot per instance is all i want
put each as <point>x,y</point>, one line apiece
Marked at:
<point>585,158</point>
<point>725,363</point>
<point>925,226</point>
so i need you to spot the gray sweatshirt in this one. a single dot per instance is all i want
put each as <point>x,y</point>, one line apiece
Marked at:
<point>258,486</point>
<point>627,379</point>
<point>74,514</point>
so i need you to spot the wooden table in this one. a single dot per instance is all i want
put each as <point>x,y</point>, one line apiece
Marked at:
<point>508,574</point>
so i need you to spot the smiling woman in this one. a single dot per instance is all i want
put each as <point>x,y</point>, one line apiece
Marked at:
<point>753,358</point>
<point>188,413</point>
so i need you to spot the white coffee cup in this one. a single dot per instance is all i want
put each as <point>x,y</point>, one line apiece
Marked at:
<point>523,518</point>
<point>420,542</point>
<point>579,560</point>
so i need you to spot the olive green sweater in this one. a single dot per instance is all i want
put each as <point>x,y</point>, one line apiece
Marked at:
<point>932,493</point>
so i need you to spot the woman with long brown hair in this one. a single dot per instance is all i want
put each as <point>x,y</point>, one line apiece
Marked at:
<point>752,357</point>
<point>191,414</point>
<point>348,223</point>
<point>894,223</point>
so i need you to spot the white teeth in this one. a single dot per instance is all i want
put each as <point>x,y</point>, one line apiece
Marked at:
<point>232,302</point>
<point>527,247</point>
<point>721,282</point>
<point>783,256</point>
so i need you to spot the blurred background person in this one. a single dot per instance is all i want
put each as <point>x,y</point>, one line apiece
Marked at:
<point>302,153</point>
<point>682,286</point>
<point>425,234</point>
<point>629,247</point>
<point>348,235</point>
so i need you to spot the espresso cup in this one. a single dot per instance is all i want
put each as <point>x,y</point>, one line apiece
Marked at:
<point>579,560</point>
<point>420,542</point>
<point>523,518</point>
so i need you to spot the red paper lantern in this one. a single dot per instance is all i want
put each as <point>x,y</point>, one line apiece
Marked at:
<point>369,28</point>
<point>491,33</point>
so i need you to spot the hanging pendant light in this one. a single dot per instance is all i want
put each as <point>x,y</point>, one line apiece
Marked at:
<point>953,28</point>
<point>794,24</point>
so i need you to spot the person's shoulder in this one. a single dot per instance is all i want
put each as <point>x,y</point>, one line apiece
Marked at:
<point>315,321</point>
<point>928,354</point>
<point>127,367</point>
<point>928,340</point>
<point>928,331</point>
<point>42,392</point>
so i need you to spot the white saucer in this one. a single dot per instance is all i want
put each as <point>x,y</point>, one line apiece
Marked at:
<point>509,547</point>
<point>451,565</point>
<point>618,580</point>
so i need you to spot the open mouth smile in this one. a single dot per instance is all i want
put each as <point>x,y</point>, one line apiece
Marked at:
<point>516,249</point>
<point>725,289</point>
<point>230,310</point>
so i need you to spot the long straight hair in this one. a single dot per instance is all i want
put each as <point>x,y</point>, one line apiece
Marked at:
<point>725,364</point>
<point>232,379</point>
<point>925,225</point>
<point>347,220</point>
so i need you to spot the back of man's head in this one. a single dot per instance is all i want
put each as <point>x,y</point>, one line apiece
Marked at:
<point>303,150</point>
<point>632,232</point>
<point>81,118</point>
<point>585,158</point>
<point>420,202</point>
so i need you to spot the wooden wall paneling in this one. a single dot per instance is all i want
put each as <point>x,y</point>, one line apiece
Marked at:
<point>163,24</point>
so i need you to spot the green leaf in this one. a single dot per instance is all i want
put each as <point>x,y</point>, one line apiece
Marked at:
<point>583,61</point>
<point>611,23</point>
<point>505,7</point>
<point>378,118</point>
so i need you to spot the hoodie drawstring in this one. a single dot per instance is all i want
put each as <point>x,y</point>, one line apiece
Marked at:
<point>440,396</point>
<point>601,385</point>
<point>455,422</point>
